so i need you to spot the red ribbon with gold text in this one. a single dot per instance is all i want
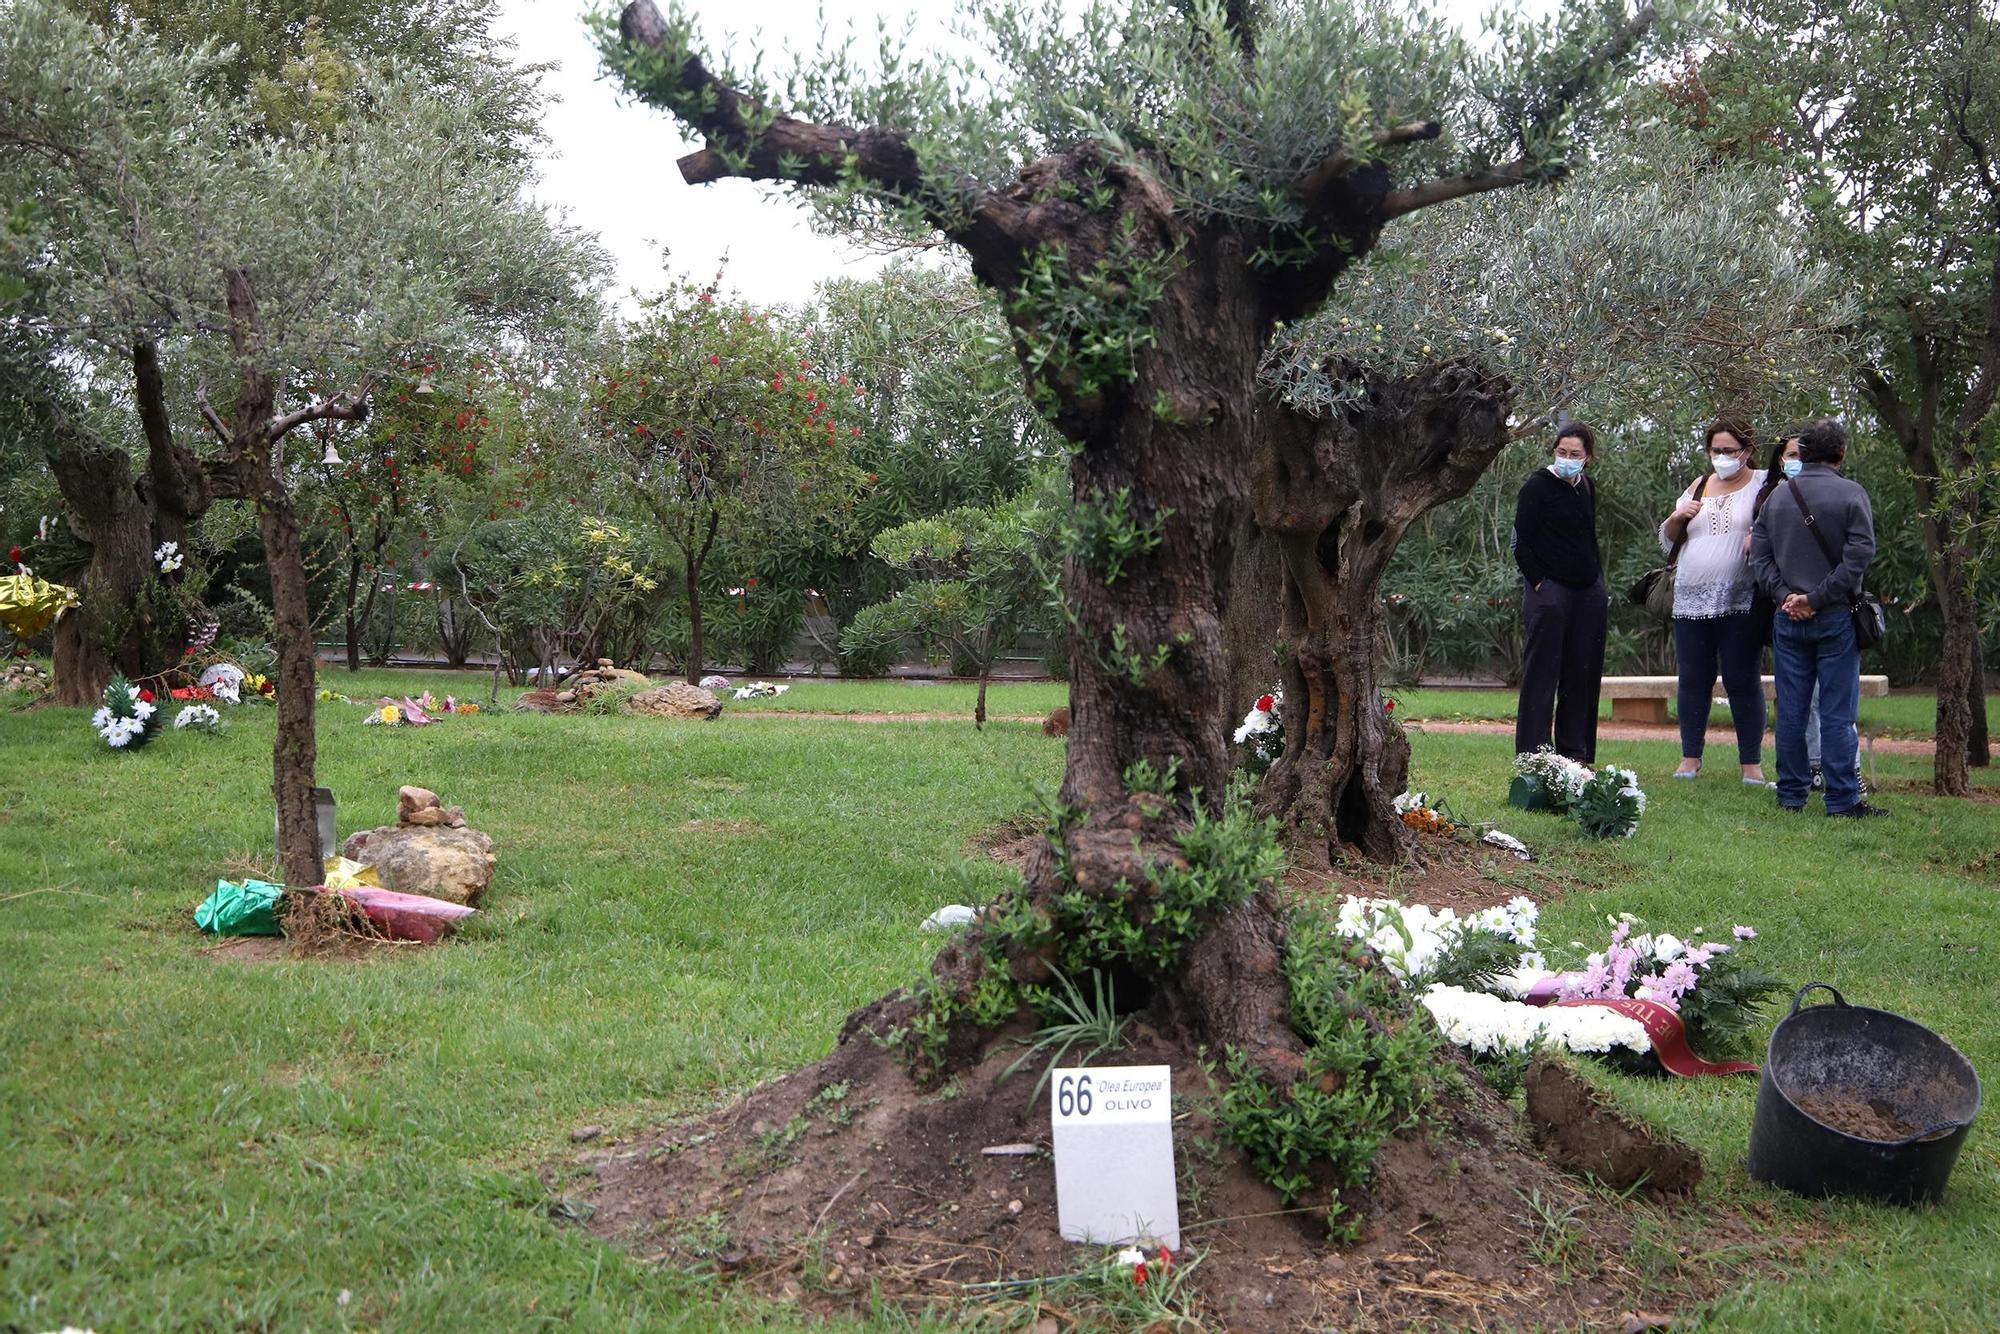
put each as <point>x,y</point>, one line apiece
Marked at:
<point>1669,1037</point>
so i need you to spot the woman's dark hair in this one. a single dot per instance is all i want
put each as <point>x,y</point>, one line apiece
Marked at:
<point>1576,431</point>
<point>1774,467</point>
<point>1745,435</point>
<point>1822,441</point>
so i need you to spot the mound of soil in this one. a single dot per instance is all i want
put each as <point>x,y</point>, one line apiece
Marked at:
<point>843,1180</point>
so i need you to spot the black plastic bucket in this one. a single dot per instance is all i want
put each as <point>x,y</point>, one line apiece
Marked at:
<point>1856,1101</point>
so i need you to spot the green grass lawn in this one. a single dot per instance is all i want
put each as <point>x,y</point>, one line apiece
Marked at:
<point>201,1143</point>
<point>1905,715</point>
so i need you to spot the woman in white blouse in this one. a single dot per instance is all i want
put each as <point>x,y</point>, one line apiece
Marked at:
<point>1713,630</point>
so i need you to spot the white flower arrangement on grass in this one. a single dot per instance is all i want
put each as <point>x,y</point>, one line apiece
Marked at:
<point>198,718</point>
<point>1423,945</point>
<point>128,718</point>
<point>1605,803</point>
<point>1491,1025</point>
<point>168,555</point>
<point>760,690</point>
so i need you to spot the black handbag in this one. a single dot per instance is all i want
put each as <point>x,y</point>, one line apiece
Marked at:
<point>1871,623</point>
<point>1654,590</point>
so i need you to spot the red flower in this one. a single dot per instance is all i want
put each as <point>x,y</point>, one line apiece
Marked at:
<point>14,554</point>
<point>1139,1274</point>
<point>1388,706</point>
<point>871,476</point>
<point>145,694</point>
<point>1166,1259</point>
<point>751,582</point>
<point>1264,703</point>
<point>714,360</point>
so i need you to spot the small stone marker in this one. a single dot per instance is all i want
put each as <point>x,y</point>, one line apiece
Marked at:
<point>1114,1146</point>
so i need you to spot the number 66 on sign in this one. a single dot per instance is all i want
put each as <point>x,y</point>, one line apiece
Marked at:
<point>1114,1146</point>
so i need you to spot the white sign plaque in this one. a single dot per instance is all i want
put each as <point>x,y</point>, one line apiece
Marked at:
<point>1114,1140</point>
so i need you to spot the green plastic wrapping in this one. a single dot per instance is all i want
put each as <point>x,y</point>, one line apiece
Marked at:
<point>248,909</point>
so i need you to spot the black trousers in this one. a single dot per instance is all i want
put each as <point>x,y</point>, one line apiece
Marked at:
<point>1562,668</point>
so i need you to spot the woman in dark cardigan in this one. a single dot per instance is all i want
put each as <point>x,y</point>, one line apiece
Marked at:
<point>1565,606</point>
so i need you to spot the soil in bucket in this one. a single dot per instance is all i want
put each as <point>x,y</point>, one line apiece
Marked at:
<point>1863,1118</point>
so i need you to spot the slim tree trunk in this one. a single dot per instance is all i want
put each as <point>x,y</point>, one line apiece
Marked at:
<point>353,618</point>
<point>695,660</point>
<point>1335,496</point>
<point>1978,747</point>
<point>1957,658</point>
<point>295,752</point>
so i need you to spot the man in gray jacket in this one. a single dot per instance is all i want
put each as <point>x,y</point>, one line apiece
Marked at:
<point>1812,634</point>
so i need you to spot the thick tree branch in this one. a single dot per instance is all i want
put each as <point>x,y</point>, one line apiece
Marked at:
<point>1313,189</point>
<point>746,139</point>
<point>348,405</point>
<point>1445,188</point>
<point>216,426</point>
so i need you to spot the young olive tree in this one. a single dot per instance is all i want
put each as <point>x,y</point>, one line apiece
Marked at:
<point>976,584</point>
<point>1886,120</point>
<point>1150,188</point>
<point>312,270</point>
<point>1629,291</point>
<point>715,421</point>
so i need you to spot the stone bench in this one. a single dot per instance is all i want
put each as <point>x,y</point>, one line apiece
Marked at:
<point>1643,699</point>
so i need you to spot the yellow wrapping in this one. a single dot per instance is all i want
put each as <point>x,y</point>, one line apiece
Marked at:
<point>28,604</point>
<point>342,873</point>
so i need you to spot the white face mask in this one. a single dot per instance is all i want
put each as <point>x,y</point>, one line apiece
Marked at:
<point>1727,466</point>
<point>1569,469</point>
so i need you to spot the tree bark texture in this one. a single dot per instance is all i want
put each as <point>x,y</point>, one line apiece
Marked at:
<point>1336,494</point>
<point>124,517</point>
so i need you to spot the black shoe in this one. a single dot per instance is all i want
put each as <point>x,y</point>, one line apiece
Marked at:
<point>1818,783</point>
<point>1859,811</point>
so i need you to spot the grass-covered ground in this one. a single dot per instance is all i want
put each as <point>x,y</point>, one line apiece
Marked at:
<point>681,910</point>
<point>1900,715</point>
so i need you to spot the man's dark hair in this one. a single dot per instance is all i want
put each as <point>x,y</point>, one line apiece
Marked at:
<point>1822,441</point>
<point>1576,431</point>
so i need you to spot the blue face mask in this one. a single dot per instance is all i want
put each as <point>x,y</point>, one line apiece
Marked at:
<point>1569,469</point>
<point>1793,466</point>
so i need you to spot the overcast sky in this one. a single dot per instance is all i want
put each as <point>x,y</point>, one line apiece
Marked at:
<point>611,164</point>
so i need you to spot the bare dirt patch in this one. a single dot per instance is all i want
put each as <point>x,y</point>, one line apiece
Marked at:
<point>843,1181</point>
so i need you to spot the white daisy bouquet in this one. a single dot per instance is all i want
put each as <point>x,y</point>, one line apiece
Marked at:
<point>1610,804</point>
<point>198,718</point>
<point>128,718</point>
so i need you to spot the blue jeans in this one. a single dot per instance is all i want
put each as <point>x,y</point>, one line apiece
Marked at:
<point>1701,646</point>
<point>1820,652</point>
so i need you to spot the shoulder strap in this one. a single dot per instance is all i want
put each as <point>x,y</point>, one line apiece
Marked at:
<point>1674,556</point>
<point>1812,526</point>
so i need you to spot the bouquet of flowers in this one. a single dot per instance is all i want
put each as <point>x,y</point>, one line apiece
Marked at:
<point>1423,815</point>
<point>1606,803</point>
<point>223,681</point>
<point>1717,993</point>
<point>1430,946</point>
<point>128,718</point>
<point>1609,804</point>
<point>199,718</point>
<point>1546,781</point>
<point>1262,732</point>
<point>760,690</point>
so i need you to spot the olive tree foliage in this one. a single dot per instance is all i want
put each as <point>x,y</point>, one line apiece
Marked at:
<point>1886,121</point>
<point>944,424</point>
<point>976,580</point>
<point>280,280</point>
<point>1653,278</point>
<point>1148,188</point>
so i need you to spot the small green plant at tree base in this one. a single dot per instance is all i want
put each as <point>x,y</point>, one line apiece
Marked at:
<point>1368,1071</point>
<point>1093,1025</point>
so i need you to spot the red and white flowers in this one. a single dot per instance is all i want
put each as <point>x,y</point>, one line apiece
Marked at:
<point>128,718</point>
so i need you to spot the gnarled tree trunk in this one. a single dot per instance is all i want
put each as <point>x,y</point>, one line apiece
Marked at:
<point>1335,494</point>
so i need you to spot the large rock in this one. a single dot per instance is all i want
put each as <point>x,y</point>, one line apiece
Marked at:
<point>676,699</point>
<point>437,860</point>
